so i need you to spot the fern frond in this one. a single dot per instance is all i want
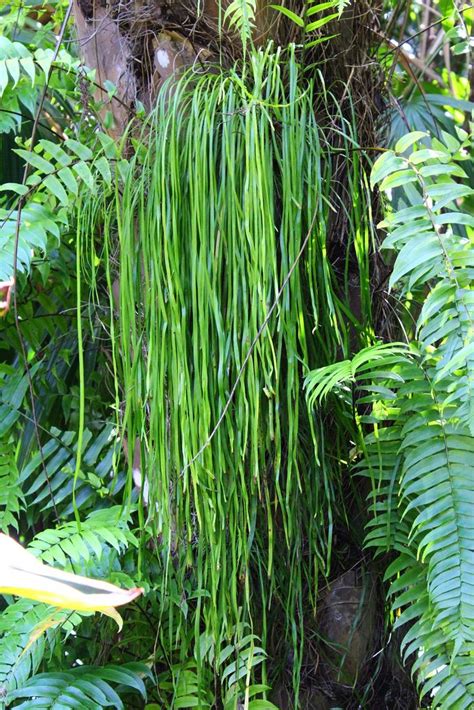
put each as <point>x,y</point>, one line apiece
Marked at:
<point>89,687</point>
<point>241,15</point>
<point>103,529</point>
<point>51,473</point>
<point>21,647</point>
<point>11,495</point>
<point>17,61</point>
<point>57,174</point>
<point>433,248</point>
<point>419,456</point>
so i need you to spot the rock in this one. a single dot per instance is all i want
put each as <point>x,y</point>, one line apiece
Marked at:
<point>346,623</point>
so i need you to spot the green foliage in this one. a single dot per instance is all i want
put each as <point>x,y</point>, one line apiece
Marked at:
<point>12,392</point>
<point>85,686</point>
<point>17,63</point>
<point>67,546</point>
<point>11,496</point>
<point>230,190</point>
<point>49,476</point>
<point>103,537</point>
<point>57,173</point>
<point>27,67</point>
<point>315,17</point>
<point>241,15</point>
<point>426,54</point>
<point>233,169</point>
<point>418,403</point>
<point>19,657</point>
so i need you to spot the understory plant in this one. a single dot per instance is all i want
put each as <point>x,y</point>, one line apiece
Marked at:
<point>412,404</point>
<point>165,295</point>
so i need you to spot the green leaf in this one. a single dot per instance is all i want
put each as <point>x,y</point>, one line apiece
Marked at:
<point>407,141</point>
<point>313,9</point>
<point>69,180</point>
<point>425,154</point>
<point>386,164</point>
<point>13,66</point>
<point>55,186</point>
<point>28,66</point>
<point>435,170</point>
<point>450,191</point>
<point>290,14</point>
<point>85,174</point>
<point>3,77</point>
<point>14,187</point>
<point>413,255</point>
<point>102,165</point>
<point>82,151</point>
<point>312,26</point>
<point>35,160</point>
<point>400,177</point>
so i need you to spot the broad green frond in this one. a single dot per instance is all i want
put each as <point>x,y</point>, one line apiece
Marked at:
<point>57,173</point>
<point>23,623</point>
<point>86,686</point>
<point>11,495</point>
<point>23,641</point>
<point>67,545</point>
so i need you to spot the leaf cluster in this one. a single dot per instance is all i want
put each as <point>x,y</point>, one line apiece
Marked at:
<point>416,403</point>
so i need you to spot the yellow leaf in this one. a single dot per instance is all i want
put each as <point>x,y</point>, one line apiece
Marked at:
<point>24,575</point>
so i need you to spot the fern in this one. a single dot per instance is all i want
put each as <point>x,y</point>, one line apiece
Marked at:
<point>16,61</point>
<point>315,17</point>
<point>420,452</point>
<point>11,496</point>
<point>22,73</point>
<point>22,647</point>
<point>240,15</point>
<point>50,475</point>
<point>234,664</point>
<point>22,624</point>
<point>85,686</point>
<point>13,388</point>
<point>66,545</point>
<point>58,174</point>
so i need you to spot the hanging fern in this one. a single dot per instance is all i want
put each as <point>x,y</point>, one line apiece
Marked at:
<point>420,453</point>
<point>229,166</point>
